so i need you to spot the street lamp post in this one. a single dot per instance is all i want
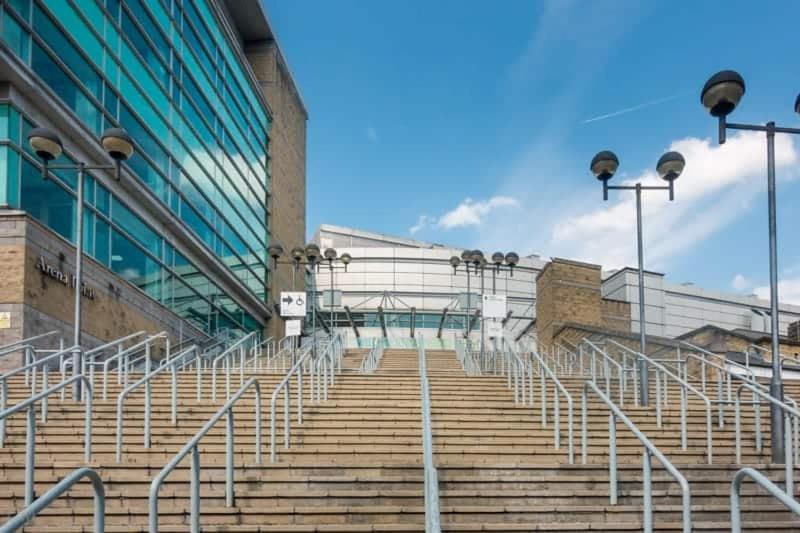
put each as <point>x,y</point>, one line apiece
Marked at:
<point>47,145</point>
<point>310,256</point>
<point>720,95</point>
<point>669,167</point>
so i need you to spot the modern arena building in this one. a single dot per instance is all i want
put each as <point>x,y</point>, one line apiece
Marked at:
<point>179,241</point>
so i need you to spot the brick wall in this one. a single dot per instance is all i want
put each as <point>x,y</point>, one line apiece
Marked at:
<point>287,151</point>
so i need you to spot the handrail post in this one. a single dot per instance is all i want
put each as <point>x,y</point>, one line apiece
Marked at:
<point>647,481</point>
<point>194,490</point>
<point>229,494</point>
<point>612,458</point>
<point>30,454</point>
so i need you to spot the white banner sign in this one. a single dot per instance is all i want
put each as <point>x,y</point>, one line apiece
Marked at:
<point>494,329</point>
<point>293,328</point>
<point>293,304</point>
<point>494,306</point>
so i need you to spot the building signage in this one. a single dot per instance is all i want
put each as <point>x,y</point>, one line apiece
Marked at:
<point>293,328</point>
<point>5,320</point>
<point>64,278</point>
<point>494,305</point>
<point>293,304</point>
<point>494,330</point>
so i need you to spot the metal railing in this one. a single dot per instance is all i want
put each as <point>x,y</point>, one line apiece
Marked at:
<point>182,359</point>
<point>467,357</point>
<point>89,356</point>
<point>788,413</point>
<point>736,490</point>
<point>30,431</point>
<point>650,450</point>
<point>227,357</point>
<point>544,373</point>
<point>44,363</point>
<point>662,374</point>
<point>192,447</point>
<point>321,376</point>
<point>517,372</point>
<point>124,361</point>
<point>32,509</point>
<point>607,362</point>
<point>373,358</point>
<point>432,518</point>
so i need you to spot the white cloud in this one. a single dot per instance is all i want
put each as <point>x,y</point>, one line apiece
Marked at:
<point>741,283</point>
<point>422,222</point>
<point>472,213</point>
<point>788,291</point>
<point>372,134</point>
<point>717,186</point>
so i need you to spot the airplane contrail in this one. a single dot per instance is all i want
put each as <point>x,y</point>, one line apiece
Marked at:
<point>634,108</point>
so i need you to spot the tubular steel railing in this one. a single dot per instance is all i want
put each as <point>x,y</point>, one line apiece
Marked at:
<point>183,359</point>
<point>606,361</point>
<point>373,358</point>
<point>650,451</point>
<point>123,361</point>
<point>432,518</point>
<point>32,509</point>
<point>44,363</point>
<point>662,374</point>
<point>89,356</point>
<point>518,373</point>
<point>227,357</point>
<point>544,373</point>
<point>193,448</point>
<point>788,413</point>
<point>736,490</point>
<point>30,432</point>
<point>321,376</point>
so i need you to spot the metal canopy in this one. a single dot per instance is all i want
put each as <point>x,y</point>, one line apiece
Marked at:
<point>525,330</point>
<point>350,319</point>
<point>441,323</point>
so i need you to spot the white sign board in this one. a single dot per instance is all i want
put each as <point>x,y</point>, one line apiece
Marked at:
<point>494,306</point>
<point>293,303</point>
<point>293,328</point>
<point>494,329</point>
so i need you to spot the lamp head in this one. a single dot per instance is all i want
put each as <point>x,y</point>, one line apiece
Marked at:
<point>275,251</point>
<point>117,143</point>
<point>455,261</point>
<point>497,258</point>
<point>297,254</point>
<point>670,166</point>
<point>512,258</point>
<point>45,143</point>
<point>346,258</point>
<point>477,257</point>
<point>330,254</point>
<point>312,253</point>
<point>604,165</point>
<point>722,92</point>
<point>466,256</point>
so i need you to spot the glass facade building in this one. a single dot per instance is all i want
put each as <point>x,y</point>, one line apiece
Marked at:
<point>167,72</point>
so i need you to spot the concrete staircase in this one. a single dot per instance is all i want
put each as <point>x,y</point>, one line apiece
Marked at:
<point>355,464</point>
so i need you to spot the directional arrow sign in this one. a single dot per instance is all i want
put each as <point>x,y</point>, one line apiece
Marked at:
<point>293,304</point>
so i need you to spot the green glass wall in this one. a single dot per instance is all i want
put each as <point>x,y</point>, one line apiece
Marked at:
<point>163,70</point>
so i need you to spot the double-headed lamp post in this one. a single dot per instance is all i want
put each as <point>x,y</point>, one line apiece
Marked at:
<point>669,167</point>
<point>720,95</point>
<point>47,145</point>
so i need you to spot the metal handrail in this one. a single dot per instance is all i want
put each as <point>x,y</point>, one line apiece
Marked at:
<point>557,386</point>
<point>373,358</point>
<point>784,358</point>
<point>606,373</point>
<point>34,508</point>
<point>324,369</point>
<point>14,346</point>
<point>121,357</point>
<point>30,432</point>
<point>432,517</point>
<point>685,387</point>
<point>25,368</point>
<point>232,350</point>
<point>788,413</point>
<point>192,447</point>
<point>736,489</point>
<point>650,450</point>
<point>147,381</point>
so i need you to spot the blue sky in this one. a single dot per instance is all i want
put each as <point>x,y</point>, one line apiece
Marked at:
<point>468,125</point>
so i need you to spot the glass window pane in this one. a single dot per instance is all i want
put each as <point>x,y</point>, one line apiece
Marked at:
<point>102,246</point>
<point>46,201</point>
<point>16,37</point>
